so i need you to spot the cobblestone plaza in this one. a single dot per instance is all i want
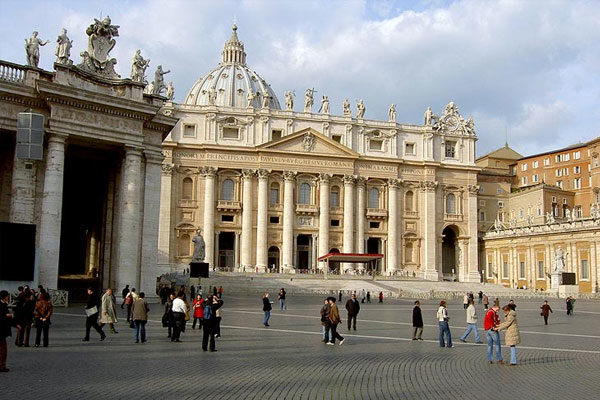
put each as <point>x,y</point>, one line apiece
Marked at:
<point>288,361</point>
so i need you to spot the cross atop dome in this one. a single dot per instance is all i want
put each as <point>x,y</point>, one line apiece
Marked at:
<point>234,49</point>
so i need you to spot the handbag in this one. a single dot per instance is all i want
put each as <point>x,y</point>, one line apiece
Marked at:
<point>91,311</point>
<point>131,325</point>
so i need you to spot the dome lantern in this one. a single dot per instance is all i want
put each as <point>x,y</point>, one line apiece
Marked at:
<point>234,49</point>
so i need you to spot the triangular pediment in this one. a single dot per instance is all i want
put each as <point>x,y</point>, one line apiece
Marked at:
<point>309,142</point>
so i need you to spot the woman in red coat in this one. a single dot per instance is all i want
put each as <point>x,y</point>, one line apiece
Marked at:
<point>198,311</point>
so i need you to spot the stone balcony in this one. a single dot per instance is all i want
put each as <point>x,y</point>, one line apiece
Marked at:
<point>227,205</point>
<point>376,213</point>
<point>453,217</point>
<point>307,209</point>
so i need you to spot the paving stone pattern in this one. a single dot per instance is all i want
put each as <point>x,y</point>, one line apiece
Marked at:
<point>288,361</point>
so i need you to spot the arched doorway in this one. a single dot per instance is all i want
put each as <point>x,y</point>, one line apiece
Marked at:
<point>334,266</point>
<point>449,244</point>
<point>273,259</point>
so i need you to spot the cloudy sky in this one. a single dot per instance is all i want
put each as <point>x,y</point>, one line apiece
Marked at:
<point>525,69</point>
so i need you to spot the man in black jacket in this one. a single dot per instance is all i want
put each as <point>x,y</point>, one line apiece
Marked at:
<point>92,308</point>
<point>5,323</point>
<point>353,307</point>
<point>210,322</point>
<point>417,320</point>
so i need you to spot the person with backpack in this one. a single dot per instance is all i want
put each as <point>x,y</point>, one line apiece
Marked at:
<point>266,309</point>
<point>131,296</point>
<point>211,305</point>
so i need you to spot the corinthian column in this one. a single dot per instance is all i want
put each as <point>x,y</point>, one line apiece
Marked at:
<point>471,261</point>
<point>51,214</point>
<point>287,245</point>
<point>209,215</point>
<point>429,262</point>
<point>323,216</point>
<point>246,256</point>
<point>392,250</point>
<point>360,214</point>
<point>348,245</point>
<point>164,221</point>
<point>128,239</point>
<point>261,225</point>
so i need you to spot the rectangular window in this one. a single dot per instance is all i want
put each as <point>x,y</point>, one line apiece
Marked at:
<point>524,180</point>
<point>499,191</point>
<point>409,149</point>
<point>490,271</point>
<point>554,199</point>
<point>567,156</point>
<point>541,274</point>
<point>585,273</point>
<point>450,149</point>
<point>337,138</point>
<point>231,133</point>
<point>373,225</point>
<point>335,222</point>
<point>189,130</point>
<point>273,220</point>
<point>505,270</point>
<point>559,184</point>
<point>535,164</point>
<point>577,170</point>
<point>524,167</point>
<point>546,161</point>
<point>577,183</point>
<point>500,204</point>
<point>276,134</point>
<point>522,270</point>
<point>482,203</point>
<point>577,155</point>
<point>595,161</point>
<point>482,215</point>
<point>226,218</point>
<point>376,145</point>
<point>535,178</point>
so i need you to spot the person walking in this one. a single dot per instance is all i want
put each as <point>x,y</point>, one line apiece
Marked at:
<point>108,314</point>
<point>471,323</point>
<point>42,313</point>
<point>417,321</point>
<point>24,318</point>
<point>124,294</point>
<point>219,314</point>
<point>325,321</point>
<point>363,296</point>
<point>139,314</point>
<point>443,318</point>
<point>466,301</point>
<point>570,305</point>
<point>220,292</point>
<point>179,310</point>
<point>92,310</point>
<point>512,337</point>
<point>486,301</point>
<point>490,322</point>
<point>479,297</point>
<point>368,297</point>
<point>198,307</point>
<point>282,305</point>
<point>192,292</point>
<point>168,318</point>
<point>380,296</point>
<point>353,307</point>
<point>5,324</point>
<point>546,310</point>
<point>340,296</point>
<point>266,309</point>
<point>211,306</point>
<point>131,296</point>
<point>334,320</point>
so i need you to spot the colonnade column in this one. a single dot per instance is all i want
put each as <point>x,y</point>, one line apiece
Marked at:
<point>392,254</point>
<point>348,244</point>
<point>129,231</point>
<point>323,216</point>
<point>50,218</point>
<point>360,217</point>
<point>247,197</point>
<point>209,215</point>
<point>470,262</point>
<point>23,191</point>
<point>164,221</point>
<point>430,271</point>
<point>261,225</point>
<point>287,245</point>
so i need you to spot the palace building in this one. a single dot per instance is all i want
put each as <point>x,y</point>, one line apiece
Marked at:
<point>274,188</point>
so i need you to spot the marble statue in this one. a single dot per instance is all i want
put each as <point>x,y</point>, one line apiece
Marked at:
<point>199,246</point>
<point>567,214</point>
<point>138,67</point>
<point>559,260</point>
<point>428,117</point>
<point>308,142</point>
<point>289,101</point>
<point>100,42</point>
<point>594,211</point>
<point>212,96</point>
<point>470,126</point>
<point>360,109</point>
<point>63,48</point>
<point>250,97</point>
<point>32,48</point>
<point>170,91</point>
<point>308,99</point>
<point>392,113</point>
<point>159,80</point>
<point>324,105</point>
<point>265,100</point>
<point>346,108</point>
<point>150,88</point>
<point>550,218</point>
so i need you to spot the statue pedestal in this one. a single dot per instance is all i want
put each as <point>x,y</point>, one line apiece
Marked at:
<point>198,270</point>
<point>555,280</point>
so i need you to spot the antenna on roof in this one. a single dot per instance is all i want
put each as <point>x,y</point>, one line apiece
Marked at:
<point>506,135</point>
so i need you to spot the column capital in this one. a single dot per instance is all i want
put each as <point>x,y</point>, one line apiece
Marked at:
<point>349,179</point>
<point>248,173</point>
<point>55,137</point>
<point>429,186</point>
<point>263,174</point>
<point>289,175</point>
<point>473,190</point>
<point>324,177</point>
<point>133,150</point>
<point>167,169</point>
<point>153,157</point>
<point>394,183</point>
<point>208,172</point>
<point>361,181</point>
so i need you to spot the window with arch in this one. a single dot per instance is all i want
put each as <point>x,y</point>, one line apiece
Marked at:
<point>408,252</point>
<point>304,194</point>
<point>274,193</point>
<point>187,188</point>
<point>409,199</point>
<point>373,198</point>
<point>227,190</point>
<point>184,245</point>
<point>334,196</point>
<point>450,203</point>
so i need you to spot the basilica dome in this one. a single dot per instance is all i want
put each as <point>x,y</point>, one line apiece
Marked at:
<point>232,83</point>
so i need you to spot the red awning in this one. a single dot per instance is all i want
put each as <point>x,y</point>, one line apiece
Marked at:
<point>350,257</point>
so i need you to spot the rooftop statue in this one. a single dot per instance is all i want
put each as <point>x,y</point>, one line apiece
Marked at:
<point>346,108</point>
<point>324,105</point>
<point>289,101</point>
<point>392,113</point>
<point>100,42</point>
<point>250,97</point>
<point>138,67</point>
<point>451,121</point>
<point>360,109</point>
<point>308,99</point>
<point>212,96</point>
<point>428,117</point>
<point>63,48</point>
<point>159,80</point>
<point>32,48</point>
<point>170,91</point>
<point>265,100</point>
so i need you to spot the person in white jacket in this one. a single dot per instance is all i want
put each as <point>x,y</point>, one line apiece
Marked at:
<point>471,323</point>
